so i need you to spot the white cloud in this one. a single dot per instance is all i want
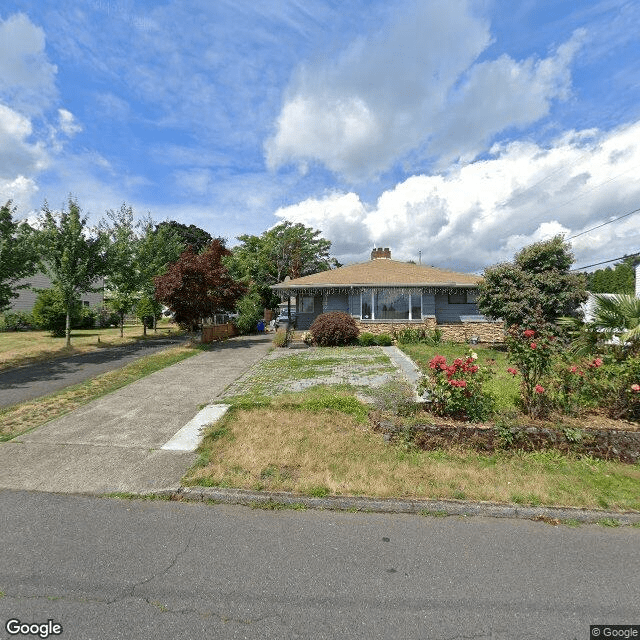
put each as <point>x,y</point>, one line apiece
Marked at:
<point>416,86</point>
<point>484,212</point>
<point>67,123</point>
<point>27,78</point>
<point>18,156</point>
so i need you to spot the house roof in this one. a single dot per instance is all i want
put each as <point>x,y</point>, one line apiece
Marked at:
<point>382,272</point>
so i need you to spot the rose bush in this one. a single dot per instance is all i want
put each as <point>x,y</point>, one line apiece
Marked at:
<point>456,389</point>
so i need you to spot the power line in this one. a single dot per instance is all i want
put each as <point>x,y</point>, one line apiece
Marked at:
<point>595,264</point>
<point>626,215</point>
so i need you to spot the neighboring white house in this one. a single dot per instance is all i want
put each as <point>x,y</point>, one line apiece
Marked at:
<point>27,297</point>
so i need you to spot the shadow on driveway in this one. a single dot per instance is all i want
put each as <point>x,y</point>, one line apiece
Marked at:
<point>39,379</point>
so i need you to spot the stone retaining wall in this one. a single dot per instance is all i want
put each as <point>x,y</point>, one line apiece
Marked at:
<point>463,332</point>
<point>607,444</point>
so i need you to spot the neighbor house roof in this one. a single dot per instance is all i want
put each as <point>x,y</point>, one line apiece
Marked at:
<point>382,272</point>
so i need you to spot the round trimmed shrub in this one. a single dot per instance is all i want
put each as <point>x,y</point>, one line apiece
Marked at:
<point>366,339</point>
<point>334,329</point>
<point>384,340</point>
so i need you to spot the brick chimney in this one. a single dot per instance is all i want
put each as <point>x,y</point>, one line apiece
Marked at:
<point>381,253</point>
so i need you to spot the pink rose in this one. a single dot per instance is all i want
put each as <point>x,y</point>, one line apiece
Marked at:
<point>533,345</point>
<point>529,333</point>
<point>539,388</point>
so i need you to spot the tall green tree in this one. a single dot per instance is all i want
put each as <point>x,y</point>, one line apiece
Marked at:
<point>191,236</point>
<point>287,249</point>
<point>619,279</point>
<point>537,285</point>
<point>74,255</point>
<point>18,255</point>
<point>159,246</point>
<point>124,280</point>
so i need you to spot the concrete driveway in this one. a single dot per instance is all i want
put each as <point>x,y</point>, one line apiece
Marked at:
<point>113,443</point>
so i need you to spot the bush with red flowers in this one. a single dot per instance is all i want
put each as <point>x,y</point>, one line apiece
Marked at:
<point>456,389</point>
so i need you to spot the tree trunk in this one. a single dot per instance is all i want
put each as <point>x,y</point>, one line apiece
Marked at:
<point>122,324</point>
<point>144,327</point>
<point>68,328</point>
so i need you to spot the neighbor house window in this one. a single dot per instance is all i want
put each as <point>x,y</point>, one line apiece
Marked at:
<point>305,304</point>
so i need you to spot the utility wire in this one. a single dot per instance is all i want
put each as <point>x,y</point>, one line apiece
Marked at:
<point>595,264</point>
<point>626,215</point>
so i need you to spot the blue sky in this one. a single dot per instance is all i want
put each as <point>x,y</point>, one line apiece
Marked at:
<point>463,130</point>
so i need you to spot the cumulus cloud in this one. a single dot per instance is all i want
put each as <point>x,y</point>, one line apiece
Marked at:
<point>27,78</point>
<point>485,211</point>
<point>418,85</point>
<point>18,156</point>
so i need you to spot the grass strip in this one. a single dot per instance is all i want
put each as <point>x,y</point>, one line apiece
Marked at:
<point>325,450</point>
<point>26,416</point>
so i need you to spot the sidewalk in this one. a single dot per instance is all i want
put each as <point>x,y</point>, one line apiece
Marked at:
<point>113,443</point>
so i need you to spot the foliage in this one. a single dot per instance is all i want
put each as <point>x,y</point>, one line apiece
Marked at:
<point>334,329</point>
<point>250,312</point>
<point>18,255</point>
<point>148,311</point>
<point>124,280</point>
<point>456,389</point>
<point>188,236</point>
<point>537,281</point>
<point>280,339</point>
<point>384,340</point>
<point>619,317</point>
<point>50,312</point>
<point>17,321</point>
<point>157,247</point>
<point>366,339</point>
<point>75,256</point>
<point>287,249</point>
<point>418,335</point>
<point>620,279</point>
<point>199,285</point>
<point>532,351</point>
<point>608,383</point>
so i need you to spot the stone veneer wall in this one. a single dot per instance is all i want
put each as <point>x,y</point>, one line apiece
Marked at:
<point>488,332</point>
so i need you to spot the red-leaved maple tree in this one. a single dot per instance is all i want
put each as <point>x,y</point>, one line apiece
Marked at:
<point>198,285</point>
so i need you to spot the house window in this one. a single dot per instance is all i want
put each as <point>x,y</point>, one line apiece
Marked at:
<point>85,303</point>
<point>365,304</point>
<point>305,304</point>
<point>391,306</point>
<point>462,297</point>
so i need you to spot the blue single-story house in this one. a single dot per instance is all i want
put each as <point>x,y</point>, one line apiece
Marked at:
<point>385,295</point>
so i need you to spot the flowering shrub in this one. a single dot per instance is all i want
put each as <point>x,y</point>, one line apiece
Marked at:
<point>456,389</point>
<point>532,351</point>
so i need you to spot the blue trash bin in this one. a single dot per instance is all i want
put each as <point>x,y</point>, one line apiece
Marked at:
<point>261,326</point>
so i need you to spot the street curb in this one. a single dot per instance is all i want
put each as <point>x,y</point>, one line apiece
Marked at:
<point>399,506</point>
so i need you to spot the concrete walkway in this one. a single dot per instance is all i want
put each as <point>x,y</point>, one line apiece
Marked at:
<point>114,443</point>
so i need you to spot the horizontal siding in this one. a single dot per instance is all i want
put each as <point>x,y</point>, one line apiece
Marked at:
<point>27,297</point>
<point>305,320</point>
<point>446,312</point>
<point>337,302</point>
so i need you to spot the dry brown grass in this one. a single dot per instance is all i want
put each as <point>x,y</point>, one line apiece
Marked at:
<point>24,347</point>
<point>328,452</point>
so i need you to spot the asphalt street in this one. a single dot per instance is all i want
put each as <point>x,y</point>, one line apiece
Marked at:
<point>106,568</point>
<point>32,381</point>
